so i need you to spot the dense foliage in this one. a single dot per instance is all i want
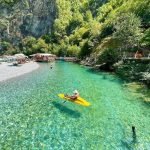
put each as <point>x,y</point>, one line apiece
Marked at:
<point>8,3</point>
<point>81,27</point>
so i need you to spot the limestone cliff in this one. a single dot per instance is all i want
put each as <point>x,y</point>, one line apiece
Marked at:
<point>26,17</point>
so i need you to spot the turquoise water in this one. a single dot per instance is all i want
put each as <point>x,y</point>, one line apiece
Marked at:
<point>33,117</point>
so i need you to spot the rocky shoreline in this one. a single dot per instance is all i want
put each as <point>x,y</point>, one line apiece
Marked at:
<point>137,70</point>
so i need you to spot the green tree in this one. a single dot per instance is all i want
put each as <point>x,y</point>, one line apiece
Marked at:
<point>5,45</point>
<point>108,56</point>
<point>146,38</point>
<point>127,30</point>
<point>40,46</point>
<point>73,50</point>
<point>63,18</point>
<point>86,49</point>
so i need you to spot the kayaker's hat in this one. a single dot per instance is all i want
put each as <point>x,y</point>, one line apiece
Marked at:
<point>75,92</point>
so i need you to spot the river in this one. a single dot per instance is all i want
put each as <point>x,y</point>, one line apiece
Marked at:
<point>32,116</point>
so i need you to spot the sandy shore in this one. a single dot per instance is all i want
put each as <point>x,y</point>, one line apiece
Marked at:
<point>7,70</point>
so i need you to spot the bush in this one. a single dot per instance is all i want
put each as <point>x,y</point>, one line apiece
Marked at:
<point>86,49</point>
<point>109,56</point>
<point>73,50</point>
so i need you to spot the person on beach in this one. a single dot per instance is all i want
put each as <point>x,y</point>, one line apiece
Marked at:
<point>74,96</point>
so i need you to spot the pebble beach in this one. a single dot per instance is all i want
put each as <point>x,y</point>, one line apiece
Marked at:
<point>8,71</point>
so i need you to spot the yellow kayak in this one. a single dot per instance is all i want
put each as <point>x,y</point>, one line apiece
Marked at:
<point>79,100</point>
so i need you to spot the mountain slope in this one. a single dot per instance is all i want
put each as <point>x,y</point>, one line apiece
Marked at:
<point>29,17</point>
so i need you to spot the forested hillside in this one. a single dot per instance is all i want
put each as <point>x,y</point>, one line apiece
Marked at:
<point>87,28</point>
<point>80,29</point>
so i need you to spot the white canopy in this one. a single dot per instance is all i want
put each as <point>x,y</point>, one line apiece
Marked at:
<point>43,54</point>
<point>20,56</point>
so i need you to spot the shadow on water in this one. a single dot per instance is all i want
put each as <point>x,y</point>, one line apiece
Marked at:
<point>100,72</point>
<point>146,103</point>
<point>64,109</point>
<point>130,144</point>
<point>109,75</point>
<point>103,74</point>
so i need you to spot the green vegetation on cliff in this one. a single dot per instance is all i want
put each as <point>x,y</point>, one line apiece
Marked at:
<point>81,28</point>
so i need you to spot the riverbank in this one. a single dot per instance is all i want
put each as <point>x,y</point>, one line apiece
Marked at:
<point>135,70</point>
<point>8,71</point>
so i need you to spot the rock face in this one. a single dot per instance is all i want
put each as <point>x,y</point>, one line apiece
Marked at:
<point>40,18</point>
<point>27,17</point>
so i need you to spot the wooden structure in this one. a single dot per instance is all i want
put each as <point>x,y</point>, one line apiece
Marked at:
<point>142,59</point>
<point>43,57</point>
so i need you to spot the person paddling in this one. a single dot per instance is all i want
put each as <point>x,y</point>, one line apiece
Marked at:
<point>74,96</point>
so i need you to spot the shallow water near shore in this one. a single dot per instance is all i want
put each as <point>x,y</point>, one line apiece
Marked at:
<point>32,116</point>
